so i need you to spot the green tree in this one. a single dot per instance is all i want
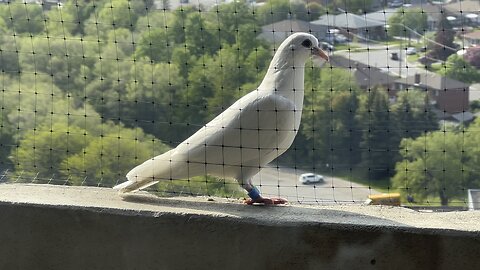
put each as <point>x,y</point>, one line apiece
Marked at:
<point>177,27</point>
<point>328,121</point>
<point>118,14</point>
<point>3,25</point>
<point>228,72</point>
<point>315,10</point>
<point>107,91</point>
<point>200,38</point>
<point>276,10</point>
<point>36,102</point>
<point>352,6</point>
<point>200,89</point>
<point>457,68</point>
<point>231,18</point>
<point>122,40</point>
<point>432,165</point>
<point>23,18</point>
<point>114,15</point>
<point>471,153</point>
<point>442,48</point>
<point>378,144</point>
<point>256,64</point>
<point>412,115</point>
<point>345,130</point>
<point>152,100</point>
<point>62,60</point>
<point>40,152</point>
<point>6,142</point>
<point>77,12</point>
<point>9,59</point>
<point>403,20</point>
<point>108,157</point>
<point>155,20</point>
<point>61,23</point>
<point>183,60</point>
<point>155,45</point>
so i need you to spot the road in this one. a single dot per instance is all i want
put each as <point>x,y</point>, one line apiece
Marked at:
<point>284,183</point>
<point>380,58</point>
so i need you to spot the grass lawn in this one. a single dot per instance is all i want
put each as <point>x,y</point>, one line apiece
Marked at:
<point>346,46</point>
<point>381,185</point>
<point>436,67</point>
<point>413,58</point>
<point>435,201</point>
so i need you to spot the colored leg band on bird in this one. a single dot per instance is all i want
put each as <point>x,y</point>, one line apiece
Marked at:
<point>254,193</point>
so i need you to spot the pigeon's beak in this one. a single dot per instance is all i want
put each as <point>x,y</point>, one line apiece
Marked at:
<point>319,52</point>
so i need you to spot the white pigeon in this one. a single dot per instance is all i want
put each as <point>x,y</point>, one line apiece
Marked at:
<point>248,135</point>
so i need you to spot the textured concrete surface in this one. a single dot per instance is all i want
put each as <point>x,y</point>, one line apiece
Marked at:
<point>58,227</point>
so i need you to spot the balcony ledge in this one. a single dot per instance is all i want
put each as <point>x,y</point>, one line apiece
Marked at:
<point>62,227</point>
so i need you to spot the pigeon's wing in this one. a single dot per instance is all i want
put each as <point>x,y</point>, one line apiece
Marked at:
<point>245,137</point>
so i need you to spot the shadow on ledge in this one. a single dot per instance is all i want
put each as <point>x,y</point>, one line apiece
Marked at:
<point>285,215</point>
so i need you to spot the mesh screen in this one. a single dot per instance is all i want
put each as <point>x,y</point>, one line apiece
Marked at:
<point>91,89</point>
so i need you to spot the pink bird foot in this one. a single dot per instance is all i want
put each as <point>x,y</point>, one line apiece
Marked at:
<point>265,201</point>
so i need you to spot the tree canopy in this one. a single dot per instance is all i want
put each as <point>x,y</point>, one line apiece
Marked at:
<point>404,21</point>
<point>439,164</point>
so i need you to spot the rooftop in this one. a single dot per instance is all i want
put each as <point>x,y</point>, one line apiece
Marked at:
<point>464,7</point>
<point>365,75</point>
<point>434,81</point>
<point>473,35</point>
<point>347,20</point>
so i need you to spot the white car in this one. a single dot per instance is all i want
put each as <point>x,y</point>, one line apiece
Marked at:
<point>411,51</point>
<point>308,178</point>
<point>339,38</point>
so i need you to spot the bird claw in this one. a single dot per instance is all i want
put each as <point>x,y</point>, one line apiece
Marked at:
<point>266,201</point>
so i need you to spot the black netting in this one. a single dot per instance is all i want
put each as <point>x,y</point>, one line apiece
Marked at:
<point>91,89</point>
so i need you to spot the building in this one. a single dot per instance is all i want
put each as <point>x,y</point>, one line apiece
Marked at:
<point>382,15</point>
<point>472,39</point>
<point>366,76</point>
<point>279,31</point>
<point>447,95</point>
<point>463,13</point>
<point>352,25</point>
<point>174,4</point>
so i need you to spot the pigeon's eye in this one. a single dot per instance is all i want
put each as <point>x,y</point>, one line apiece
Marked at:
<point>307,43</point>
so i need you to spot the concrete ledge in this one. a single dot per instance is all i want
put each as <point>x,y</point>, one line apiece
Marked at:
<point>58,227</point>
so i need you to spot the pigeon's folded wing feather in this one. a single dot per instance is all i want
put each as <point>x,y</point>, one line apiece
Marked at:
<point>245,135</point>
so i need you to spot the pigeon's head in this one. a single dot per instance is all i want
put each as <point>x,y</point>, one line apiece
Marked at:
<point>300,46</point>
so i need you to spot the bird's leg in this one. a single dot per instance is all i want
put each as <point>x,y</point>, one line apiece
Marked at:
<point>256,198</point>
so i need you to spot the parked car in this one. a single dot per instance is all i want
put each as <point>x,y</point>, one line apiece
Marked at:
<point>394,56</point>
<point>308,178</point>
<point>327,46</point>
<point>395,4</point>
<point>410,51</point>
<point>339,38</point>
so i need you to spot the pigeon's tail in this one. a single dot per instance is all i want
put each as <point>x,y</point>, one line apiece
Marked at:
<point>132,186</point>
<point>146,174</point>
<point>135,181</point>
